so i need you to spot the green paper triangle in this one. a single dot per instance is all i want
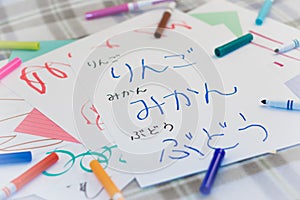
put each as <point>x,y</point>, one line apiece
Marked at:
<point>230,19</point>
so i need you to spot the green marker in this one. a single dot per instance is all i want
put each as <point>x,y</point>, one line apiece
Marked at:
<point>233,45</point>
<point>19,45</point>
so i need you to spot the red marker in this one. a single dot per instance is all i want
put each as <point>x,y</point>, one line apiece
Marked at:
<point>27,176</point>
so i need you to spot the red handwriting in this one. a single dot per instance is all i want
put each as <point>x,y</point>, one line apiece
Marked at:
<point>279,64</point>
<point>183,24</point>
<point>94,112</point>
<point>35,82</point>
<point>108,44</point>
<point>172,25</point>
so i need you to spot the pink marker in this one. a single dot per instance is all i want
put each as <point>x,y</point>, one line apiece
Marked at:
<point>9,67</point>
<point>126,7</point>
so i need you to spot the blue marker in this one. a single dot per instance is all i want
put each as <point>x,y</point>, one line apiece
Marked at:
<point>263,12</point>
<point>18,157</point>
<point>289,105</point>
<point>212,171</point>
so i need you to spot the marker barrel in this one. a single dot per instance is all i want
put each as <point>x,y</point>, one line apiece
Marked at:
<point>263,12</point>
<point>34,171</point>
<point>18,157</point>
<point>164,20</point>
<point>27,176</point>
<point>289,104</point>
<point>19,45</point>
<point>107,11</point>
<point>126,7</point>
<point>9,67</point>
<point>212,171</point>
<point>106,181</point>
<point>233,45</point>
<point>287,47</point>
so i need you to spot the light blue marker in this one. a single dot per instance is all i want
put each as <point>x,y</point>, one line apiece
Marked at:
<point>289,105</point>
<point>289,46</point>
<point>263,12</point>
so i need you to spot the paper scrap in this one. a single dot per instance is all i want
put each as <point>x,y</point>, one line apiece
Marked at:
<point>36,123</point>
<point>228,18</point>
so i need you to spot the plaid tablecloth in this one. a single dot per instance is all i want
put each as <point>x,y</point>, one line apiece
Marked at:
<point>272,176</point>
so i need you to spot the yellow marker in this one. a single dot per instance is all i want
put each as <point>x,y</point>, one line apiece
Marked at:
<point>19,45</point>
<point>105,180</point>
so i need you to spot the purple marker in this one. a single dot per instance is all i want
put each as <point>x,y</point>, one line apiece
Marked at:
<point>126,7</point>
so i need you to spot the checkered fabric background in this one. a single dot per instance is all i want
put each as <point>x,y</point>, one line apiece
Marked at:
<point>272,176</point>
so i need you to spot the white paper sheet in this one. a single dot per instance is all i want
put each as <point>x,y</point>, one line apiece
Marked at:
<point>229,115</point>
<point>255,71</point>
<point>66,178</point>
<point>74,182</point>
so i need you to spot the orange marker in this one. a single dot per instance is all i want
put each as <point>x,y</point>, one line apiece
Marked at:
<point>105,180</point>
<point>27,176</point>
<point>164,20</point>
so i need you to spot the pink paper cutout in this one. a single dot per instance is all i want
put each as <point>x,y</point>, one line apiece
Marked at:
<point>36,123</point>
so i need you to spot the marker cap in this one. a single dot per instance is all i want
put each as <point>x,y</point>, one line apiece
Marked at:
<point>18,157</point>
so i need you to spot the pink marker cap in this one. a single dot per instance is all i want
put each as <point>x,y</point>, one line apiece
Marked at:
<point>9,67</point>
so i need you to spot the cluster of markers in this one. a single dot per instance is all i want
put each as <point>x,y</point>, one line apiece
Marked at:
<point>126,7</point>
<point>245,39</point>
<point>219,154</point>
<point>25,157</point>
<point>16,62</point>
<point>20,157</point>
<point>133,6</point>
<point>98,170</point>
<point>288,105</point>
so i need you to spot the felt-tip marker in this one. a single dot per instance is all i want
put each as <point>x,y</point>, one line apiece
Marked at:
<point>265,9</point>
<point>288,46</point>
<point>9,67</point>
<point>126,7</point>
<point>212,171</point>
<point>288,105</point>
<point>164,20</point>
<point>233,45</point>
<point>19,182</point>
<point>16,157</point>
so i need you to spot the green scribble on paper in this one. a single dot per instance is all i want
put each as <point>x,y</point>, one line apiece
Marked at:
<point>229,18</point>
<point>100,156</point>
<point>121,160</point>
